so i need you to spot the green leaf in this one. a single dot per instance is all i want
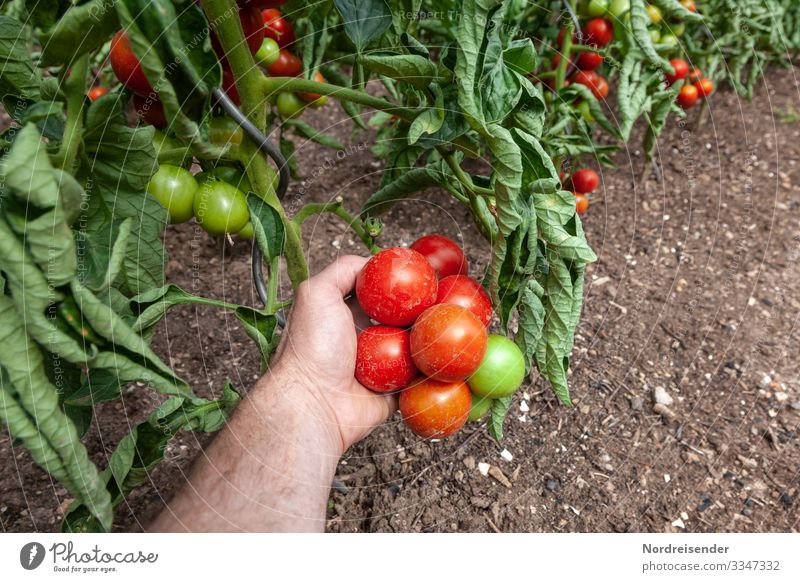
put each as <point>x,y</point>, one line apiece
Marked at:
<point>498,415</point>
<point>412,69</point>
<point>560,227</point>
<point>640,20</point>
<point>364,20</point>
<point>80,30</point>
<point>429,121</point>
<point>520,56</point>
<point>405,185</point>
<point>18,76</point>
<point>268,227</point>
<point>674,10</point>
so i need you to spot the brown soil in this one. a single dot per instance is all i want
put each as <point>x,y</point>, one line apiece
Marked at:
<point>696,291</point>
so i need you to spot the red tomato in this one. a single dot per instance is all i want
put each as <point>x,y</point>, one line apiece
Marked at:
<point>229,85</point>
<point>448,342</point>
<point>556,60</point>
<point>689,5</point>
<point>126,65</point>
<point>435,410</point>
<point>681,70</point>
<point>150,110</point>
<point>262,3</point>
<point>96,92</point>
<point>277,27</point>
<point>443,254</point>
<point>584,180</point>
<point>581,202</point>
<point>396,286</point>
<point>287,65</point>
<point>311,97</point>
<point>253,28</point>
<point>468,293</point>
<point>383,362</point>
<point>695,75</point>
<point>705,87</point>
<point>688,96</point>
<point>596,84</point>
<point>589,61</point>
<point>598,31</point>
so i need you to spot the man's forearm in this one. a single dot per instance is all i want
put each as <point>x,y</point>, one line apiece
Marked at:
<point>269,469</point>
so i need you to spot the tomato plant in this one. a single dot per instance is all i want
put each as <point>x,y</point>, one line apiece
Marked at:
<point>435,410</point>
<point>384,362</point>
<point>253,27</point>
<point>445,256</point>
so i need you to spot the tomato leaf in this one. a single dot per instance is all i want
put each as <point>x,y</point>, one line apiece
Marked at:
<point>364,20</point>
<point>498,415</point>
<point>413,69</point>
<point>674,10</point>
<point>18,76</point>
<point>405,185</point>
<point>268,227</point>
<point>81,29</point>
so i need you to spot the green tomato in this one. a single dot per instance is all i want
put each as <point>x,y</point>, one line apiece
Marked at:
<point>220,208</point>
<point>502,369</point>
<point>175,188</point>
<point>597,8</point>
<point>668,40</point>
<point>586,111</point>
<point>677,28</point>
<point>247,232</point>
<point>655,35</point>
<point>290,105</point>
<point>224,131</point>
<point>619,7</point>
<point>480,406</point>
<point>655,13</point>
<point>268,53</point>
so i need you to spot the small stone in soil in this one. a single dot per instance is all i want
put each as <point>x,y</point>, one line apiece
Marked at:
<point>551,484</point>
<point>484,468</point>
<point>662,396</point>
<point>636,403</point>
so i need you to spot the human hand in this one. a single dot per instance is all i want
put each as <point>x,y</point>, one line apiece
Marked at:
<point>318,354</point>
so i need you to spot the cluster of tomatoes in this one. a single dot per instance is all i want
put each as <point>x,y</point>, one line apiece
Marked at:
<point>582,183</point>
<point>431,341</point>
<point>695,87</point>
<point>267,33</point>
<point>597,33</point>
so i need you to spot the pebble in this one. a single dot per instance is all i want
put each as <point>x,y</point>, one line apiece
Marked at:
<point>764,381</point>
<point>484,468</point>
<point>551,484</point>
<point>523,406</point>
<point>469,463</point>
<point>747,462</point>
<point>507,455</point>
<point>663,410</point>
<point>637,403</point>
<point>679,523</point>
<point>662,396</point>
<point>667,478</point>
<point>796,405</point>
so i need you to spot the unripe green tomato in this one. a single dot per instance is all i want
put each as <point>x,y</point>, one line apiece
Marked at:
<point>597,8</point>
<point>247,232</point>
<point>677,28</point>
<point>268,53</point>
<point>480,406</point>
<point>175,188</point>
<point>220,208</point>
<point>230,174</point>
<point>290,105</point>
<point>617,8</point>
<point>668,40</point>
<point>655,35</point>
<point>586,111</point>
<point>655,13</point>
<point>224,131</point>
<point>501,371</point>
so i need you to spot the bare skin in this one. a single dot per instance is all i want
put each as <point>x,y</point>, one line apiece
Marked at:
<point>271,467</point>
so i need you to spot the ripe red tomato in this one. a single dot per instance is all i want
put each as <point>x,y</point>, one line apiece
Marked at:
<point>705,87</point>
<point>150,110</point>
<point>262,3</point>
<point>596,83</point>
<point>598,31</point>
<point>229,85</point>
<point>287,65</point>
<point>126,65</point>
<point>589,61</point>
<point>688,96</point>
<point>581,202</point>
<point>448,342</point>
<point>695,75</point>
<point>681,70</point>
<point>443,254</point>
<point>253,28</point>
<point>277,27</point>
<point>468,293</point>
<point>435,410</point>
<point>584,181</point>
<point>396,286</point>
<point>383,361</point>
<point>96,92</point>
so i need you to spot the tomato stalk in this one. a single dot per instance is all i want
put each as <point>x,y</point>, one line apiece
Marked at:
<point>224,18</point>
<point>75,91</point>
<point>339,210</point>
<point>462,177</point>
<point>566,51</point>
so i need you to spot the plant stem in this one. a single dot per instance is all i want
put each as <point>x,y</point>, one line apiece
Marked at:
<point>463,178</point>
<point>339,210</point>
<point>224,16</point>
<point>75,90</point>
<point>272,285</point>
<point>566,50</point>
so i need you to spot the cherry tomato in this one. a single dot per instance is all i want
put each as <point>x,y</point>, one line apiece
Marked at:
<point>96,92</point>
<point>705,87</point>
<point>290,105</point>
<point>277,27</point>
<point>224,131</point>
<point>383,361</point>
<point>598,31</point>
<point>589,61</point>
<point>668,41</point>
<point>229,85</point>
<point>581,203</point>
<point>617,8</point>
<point>681,70</point>
<point>655,35</point>
<point>314,98</point>
<point>150,110</point>
<point>220,208</point>
<point>695,75</point>
<point>584,180</point>
<point>261,3</point>
<point>395,286</point>
<point>689,5</point>
<point>597,8</point>
<point>480,406</point>
<point>434,409</point>
<point>596,84</point>
<point>677,28</point>
<point>175,188</point>
<point>126,65</point>
<point>501,371</point>
<point>654,12</point>
<point>287,65</point>
<point>268,53</point>
<point>468,293</point>
<point>443,254</point>
<point>448,342</point>
<point>253,28</point>
<point>688,96</point>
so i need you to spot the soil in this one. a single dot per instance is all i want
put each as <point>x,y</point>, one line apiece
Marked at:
<point>695,298</point>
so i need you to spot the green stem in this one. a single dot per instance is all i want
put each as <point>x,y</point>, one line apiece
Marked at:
<point>272,285</point>
<point>566,51</point>
<point>249,78</point>
<point>75,90</point>
<point>463,178</point>
<point>339,210</point>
